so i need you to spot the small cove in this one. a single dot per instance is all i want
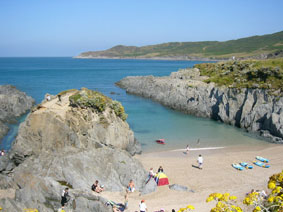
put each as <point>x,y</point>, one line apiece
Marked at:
<point>149,120</point>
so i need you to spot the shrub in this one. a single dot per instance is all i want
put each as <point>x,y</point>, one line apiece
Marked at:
<point>92,99</point>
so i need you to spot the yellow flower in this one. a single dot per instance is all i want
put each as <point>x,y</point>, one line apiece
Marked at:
<point>220,205</point>
<point>238,209</point>
<point>218,195</point>
<point>209,199</point>
<point>257,208</point>
<point>270,199</point>
<point>232,197</point>
<point>190,207</point>
<point>271,185</point>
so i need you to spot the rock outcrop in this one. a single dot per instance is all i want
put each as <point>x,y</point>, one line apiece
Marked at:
<point>71,143</point>
<point>252,109</point>
<point>13,104</point>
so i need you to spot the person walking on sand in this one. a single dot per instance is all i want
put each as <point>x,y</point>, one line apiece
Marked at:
<point>142,206</point>
<point>200,161</point>
<point>188,149</point>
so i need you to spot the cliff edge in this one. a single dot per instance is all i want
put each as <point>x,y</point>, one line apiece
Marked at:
<point>236,93</point>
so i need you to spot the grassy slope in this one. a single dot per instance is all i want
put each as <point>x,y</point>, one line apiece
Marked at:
<point>242,47</point>
<point>265,74</point>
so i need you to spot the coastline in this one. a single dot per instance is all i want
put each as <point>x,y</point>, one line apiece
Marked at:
<point>217,176</point>
<point>154,58</point>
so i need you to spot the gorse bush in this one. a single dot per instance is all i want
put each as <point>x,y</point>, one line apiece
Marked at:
<point>225,202</point>
<point>272,203</point>
<point>86,98</point>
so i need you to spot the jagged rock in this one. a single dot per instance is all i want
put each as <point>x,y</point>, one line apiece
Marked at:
<point>13,103</point>
<point>149,187</point>
<point>251,109</point>
<point>62,144</point>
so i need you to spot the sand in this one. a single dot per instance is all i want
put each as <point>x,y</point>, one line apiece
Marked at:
<point>217,175</point>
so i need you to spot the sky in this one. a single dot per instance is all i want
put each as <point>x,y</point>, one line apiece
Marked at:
<point>68,27</point>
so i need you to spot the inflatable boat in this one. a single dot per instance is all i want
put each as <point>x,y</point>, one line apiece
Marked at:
<point>160,141</point>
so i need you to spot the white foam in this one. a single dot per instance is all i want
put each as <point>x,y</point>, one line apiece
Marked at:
<point>198,149</point>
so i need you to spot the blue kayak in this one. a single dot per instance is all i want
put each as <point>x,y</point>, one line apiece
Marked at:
<point>246,165</point>
<point>264,165</point>
<point>237,166</point>
<point>262,159</point>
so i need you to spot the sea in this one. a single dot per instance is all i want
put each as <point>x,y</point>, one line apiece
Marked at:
<point>148,119</point>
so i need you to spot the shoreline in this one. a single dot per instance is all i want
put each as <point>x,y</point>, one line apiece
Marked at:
<point>217,176</point>
<point>154,58</point>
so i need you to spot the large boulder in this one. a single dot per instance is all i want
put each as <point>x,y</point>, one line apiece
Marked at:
<point>13,104</point>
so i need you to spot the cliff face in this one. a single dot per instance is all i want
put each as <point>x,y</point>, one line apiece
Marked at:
<point>252,109</point>
<point>13,103</point>
<point>70,143</point>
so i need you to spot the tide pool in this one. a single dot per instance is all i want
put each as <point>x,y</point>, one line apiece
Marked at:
<point>149,120</point>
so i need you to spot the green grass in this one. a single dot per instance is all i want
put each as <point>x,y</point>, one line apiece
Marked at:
<point>244,47</point>
<point>86,98</point>
<point>264,74</point>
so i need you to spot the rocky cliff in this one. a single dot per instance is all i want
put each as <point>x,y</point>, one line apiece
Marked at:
<point>13,104</point>
<point>255,110</point>
<point>72,142</point>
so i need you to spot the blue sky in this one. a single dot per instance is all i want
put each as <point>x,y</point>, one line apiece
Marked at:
<point>69,27</point>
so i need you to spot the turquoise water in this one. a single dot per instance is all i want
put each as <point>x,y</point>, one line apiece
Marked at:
<point>149,120</point>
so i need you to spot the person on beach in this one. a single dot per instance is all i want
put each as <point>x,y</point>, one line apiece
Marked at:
<point>131,186</point>
<point>142,206</point>
<point>200,161</point>
<point>187,149</point>
<point>2,153</point>
<point>96,187</point>
<point>48,98</point>
<point>151,174</point>
<point>115,209</point>
<point>126,201</point>
<point>160,169</point>
<point>65,197</point>
<point>59,97</point>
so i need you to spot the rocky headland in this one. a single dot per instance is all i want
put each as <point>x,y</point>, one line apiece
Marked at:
<point>255,47</point>
<point>244,94</point>
<point>70,143</point>
<point>13,104</point>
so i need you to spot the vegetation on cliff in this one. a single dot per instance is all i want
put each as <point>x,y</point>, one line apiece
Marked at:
<point>264,74</point>
<point>97,101</point>
<point>246,47</point>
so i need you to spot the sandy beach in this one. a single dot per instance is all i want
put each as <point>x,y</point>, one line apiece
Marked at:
<point>217,175</point>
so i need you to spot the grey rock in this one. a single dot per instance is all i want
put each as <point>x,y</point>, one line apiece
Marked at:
<point>13,104</point>
<point>59,146</point>
<point>251,109</point>
<point>179,188</point>
<point>149,187</point>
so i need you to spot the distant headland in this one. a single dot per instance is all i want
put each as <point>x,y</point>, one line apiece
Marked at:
<point>255,47</point>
